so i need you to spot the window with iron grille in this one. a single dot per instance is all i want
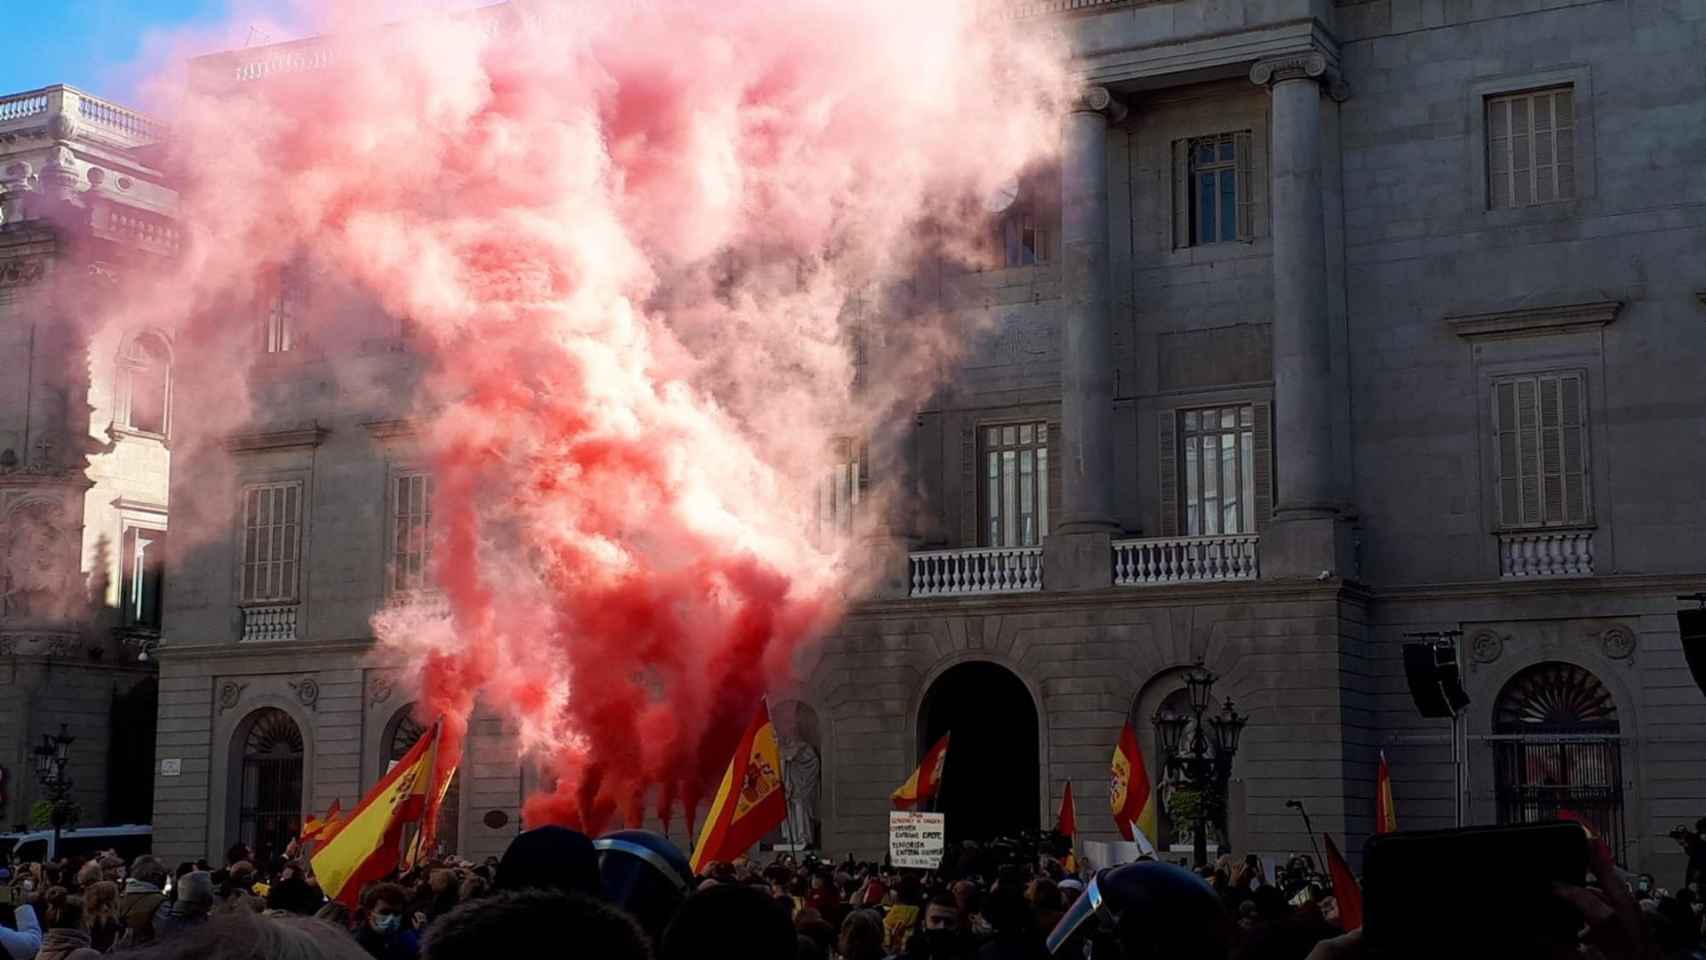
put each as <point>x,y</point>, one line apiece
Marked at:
<point>1218,450</point>
<point>1531,148</point>
<point>272,540</point>
<point>1221,188</point>
<point>144,548</point>
<point>1558,751</point>
<point>838,494</point>
<point>411,533</point>
<point>1015,491</point>
<point>1541,448</point>
<point>146,372</point>
<point>281,315</point>
<point>1024,238</point>
<point>270,789</point>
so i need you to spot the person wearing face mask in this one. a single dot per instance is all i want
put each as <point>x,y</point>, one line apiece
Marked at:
<point>385,933</point>
<point>940,936</point>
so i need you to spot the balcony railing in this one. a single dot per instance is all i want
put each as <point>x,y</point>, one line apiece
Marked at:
<point>953,573</point>
<point>271,623</point>
<point>1552,553</point>
<point>100,117</point>
<point>1185,560</point>
<point>1037,8</point>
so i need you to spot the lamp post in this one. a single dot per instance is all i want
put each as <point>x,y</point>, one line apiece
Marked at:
<point>51,758</point>
<point>1186,750</point>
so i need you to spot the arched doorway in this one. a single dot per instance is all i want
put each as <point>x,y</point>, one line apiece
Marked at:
<point>1557,753</point>
<point>990,786</point>
<point>269,809</point>
<point>406,731</point>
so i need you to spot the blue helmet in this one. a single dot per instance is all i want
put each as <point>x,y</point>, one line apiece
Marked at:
<point>644,874</point>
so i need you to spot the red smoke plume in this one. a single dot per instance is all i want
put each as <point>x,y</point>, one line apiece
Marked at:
<point>634,249</point>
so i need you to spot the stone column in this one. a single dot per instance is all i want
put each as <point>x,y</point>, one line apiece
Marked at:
<point>1303,539</point>
<point>1079,553</point>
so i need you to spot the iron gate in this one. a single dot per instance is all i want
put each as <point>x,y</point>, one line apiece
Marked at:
<point>270,812</point>
<point>1562,778</point>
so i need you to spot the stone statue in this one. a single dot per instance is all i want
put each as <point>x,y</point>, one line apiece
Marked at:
<point>802,772</point>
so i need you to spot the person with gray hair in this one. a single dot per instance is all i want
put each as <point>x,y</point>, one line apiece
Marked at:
<point>247,936</point>
<point>191,909</point>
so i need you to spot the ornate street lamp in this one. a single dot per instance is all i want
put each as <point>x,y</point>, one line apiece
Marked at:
<point>1205,772</point>
<point>51,759</point>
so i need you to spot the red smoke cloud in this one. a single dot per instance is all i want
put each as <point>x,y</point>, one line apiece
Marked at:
<point>633,248</point>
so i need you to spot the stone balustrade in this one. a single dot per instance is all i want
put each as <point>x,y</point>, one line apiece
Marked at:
<point>270,623</point>
<point>1185,560</point>
<point>64,113</point>
<point>953,573</point>
<point>1552,553</point>
<point>22,106</point>
<point>1037,8</point>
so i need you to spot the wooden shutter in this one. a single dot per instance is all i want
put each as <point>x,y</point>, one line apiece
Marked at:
<point>1540,448</point>
<point>1181,194</point>
<point>1167,456</point>
<point>1262,453</point>
<point>1242,147</point>
<point>1578,501</point>
<point>1054,458</point>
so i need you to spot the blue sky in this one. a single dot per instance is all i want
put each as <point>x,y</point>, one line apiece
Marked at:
<point>97,45</point>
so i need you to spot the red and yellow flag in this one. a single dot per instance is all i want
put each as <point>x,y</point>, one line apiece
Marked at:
<point>1385,815</point>
<point>318,828</point>
<point>368,845</point>
<point>925,781</point>
<point>749,802</point>
<point>1066,822</point>
<point>1129,793</point>
<point>1346,890</point>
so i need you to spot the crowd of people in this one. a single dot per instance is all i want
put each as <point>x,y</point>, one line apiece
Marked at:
<point>631,896</point>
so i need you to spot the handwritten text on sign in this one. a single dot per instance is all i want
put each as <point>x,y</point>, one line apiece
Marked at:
<point>917,839</point>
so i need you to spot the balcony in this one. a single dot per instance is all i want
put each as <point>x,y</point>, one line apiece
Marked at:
<point>66,111</point>
<point>1550,553</point>
<point>961,573</point>
<point>1142,563</point>
<point>270,624</point>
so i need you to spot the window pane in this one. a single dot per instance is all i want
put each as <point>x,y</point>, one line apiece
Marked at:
<point>1042,433</point>
<point>1205,210</point>
<point>1191,421</point>
<point>1027,498</point>
<point>1226,149</point>
<point>1246,416</point>
<point>1228,203</point>
<point>993,496</point>
<point>1025,433</point>
<point>1229,485</point>
<point>1009,436</point>
<point>1229,418</point>
<point>1009,497</point>
<point>1042,489</point>
<point>1193,489</point>
<point>1210,487</point>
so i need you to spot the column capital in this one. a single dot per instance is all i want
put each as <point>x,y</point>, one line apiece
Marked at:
<point>1309,65</point>
<point>1097,99</point>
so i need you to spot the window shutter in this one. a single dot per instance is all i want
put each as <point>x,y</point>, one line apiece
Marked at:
<point>1504,453</point>
<point>1574,448</point>
<point>1527,451</point>
<point>1181,194</point>
<point>1054,458</point>
<point>1167,455</point>
<point>1261,453</point>
<point>1246,186</point>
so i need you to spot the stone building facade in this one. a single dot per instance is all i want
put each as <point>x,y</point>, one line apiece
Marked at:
<point>1339,321</point>
<point>85,434</point>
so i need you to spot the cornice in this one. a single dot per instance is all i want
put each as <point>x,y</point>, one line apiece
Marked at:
<point>401,429</point>
<point>1534,321</point>
<point>255,650</point>
<point>276,439</point>
<point>1222,54</point>
<point>1236,591</point>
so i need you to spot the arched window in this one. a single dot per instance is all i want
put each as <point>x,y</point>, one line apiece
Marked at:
<point>145,372</point>
<point>269,812</point>
<point>406,731</point>
<point>1557,751</point>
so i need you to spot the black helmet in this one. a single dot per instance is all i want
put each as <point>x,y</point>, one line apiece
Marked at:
<point>644,874</point>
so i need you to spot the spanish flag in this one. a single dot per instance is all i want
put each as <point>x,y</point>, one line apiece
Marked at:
<point>1346,890</point>
<point>1385,815</point>
<point>1066,822</point>
<point>1129,793</point>
<point>367,846</point>
<point>925,781</point>
<point>318,828</point>
<point>749,802</point>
